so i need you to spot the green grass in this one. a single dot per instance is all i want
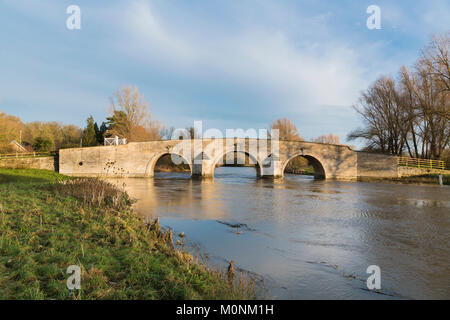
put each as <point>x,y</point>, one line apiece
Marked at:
<point>49,221</point>
<point>24,176</point>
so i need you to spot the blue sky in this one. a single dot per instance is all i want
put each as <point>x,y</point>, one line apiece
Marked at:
<point>232,64</point>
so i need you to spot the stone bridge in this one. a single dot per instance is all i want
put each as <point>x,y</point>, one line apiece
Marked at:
<point>138,159</point>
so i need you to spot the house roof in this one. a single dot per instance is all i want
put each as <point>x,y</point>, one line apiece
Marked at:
<point>21,147</point>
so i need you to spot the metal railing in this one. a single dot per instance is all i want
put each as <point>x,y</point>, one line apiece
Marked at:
<point>27,154</point>
<point>114,141</point>
<point>421,163</point>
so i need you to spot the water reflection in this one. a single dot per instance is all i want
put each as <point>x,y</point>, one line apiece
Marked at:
<point>309,238</point>
<point>177,196</point>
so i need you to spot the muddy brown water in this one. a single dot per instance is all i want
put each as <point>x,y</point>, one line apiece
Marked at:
<point>310,239</point>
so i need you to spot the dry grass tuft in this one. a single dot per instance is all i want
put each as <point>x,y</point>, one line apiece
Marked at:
<point>94,192</point>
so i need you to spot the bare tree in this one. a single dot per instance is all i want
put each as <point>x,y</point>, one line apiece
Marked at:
<point>383,118</point>
<point>287,130</point>
<point>412,113</point>
<point>328,138</point>
<point>130,116</point>
<point>436,57</point>
<point>166,133</point>
<point>193,133</point>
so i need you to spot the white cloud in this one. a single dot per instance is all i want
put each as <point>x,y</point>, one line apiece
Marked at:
<point>290,71</point>
<point>227,62</point>
<point>150,36</point>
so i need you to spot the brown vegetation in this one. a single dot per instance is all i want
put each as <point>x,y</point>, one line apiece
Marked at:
<point>58,135</point>
<point>287,130</point>
<point>10,128</point>
<point>328,138</point>
<point>94,192</point>
<point>131,117</point>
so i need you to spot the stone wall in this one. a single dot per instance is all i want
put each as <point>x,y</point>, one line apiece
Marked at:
<point>47,163</point>
<point>131,160</point>
<point>375,165</point>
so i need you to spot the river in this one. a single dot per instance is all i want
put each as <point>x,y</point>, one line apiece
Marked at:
<point>310,239</point>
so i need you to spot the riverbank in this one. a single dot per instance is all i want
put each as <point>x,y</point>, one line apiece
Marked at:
<point>426,178</point>
<point>177,169</point>
<point>49,222</point>
<point>432,178</point>
<point>307,171</point>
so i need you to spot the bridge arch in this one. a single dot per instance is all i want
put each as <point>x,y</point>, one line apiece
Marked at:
<point>317,163</point>
<point>258,164</point>
<point>150,169</point>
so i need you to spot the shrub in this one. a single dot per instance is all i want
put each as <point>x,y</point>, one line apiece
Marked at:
<point>42,144</point>
<point>94,192</point>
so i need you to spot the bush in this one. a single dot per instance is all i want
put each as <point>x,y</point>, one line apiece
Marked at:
<point>42,144</point>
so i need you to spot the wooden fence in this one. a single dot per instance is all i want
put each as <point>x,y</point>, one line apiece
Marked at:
<point>27,155</point>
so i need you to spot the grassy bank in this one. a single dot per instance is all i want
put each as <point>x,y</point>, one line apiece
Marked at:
<point>49,222</point>
<point>425,178</point>
<point>419,179</point>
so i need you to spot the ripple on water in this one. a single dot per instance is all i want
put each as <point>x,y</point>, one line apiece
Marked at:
<point>293,232</point>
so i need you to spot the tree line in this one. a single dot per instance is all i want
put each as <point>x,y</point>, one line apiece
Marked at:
<point>38,136</point>
<point>409,114</point>
<point>403,115</point>
<point>129,118</point>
